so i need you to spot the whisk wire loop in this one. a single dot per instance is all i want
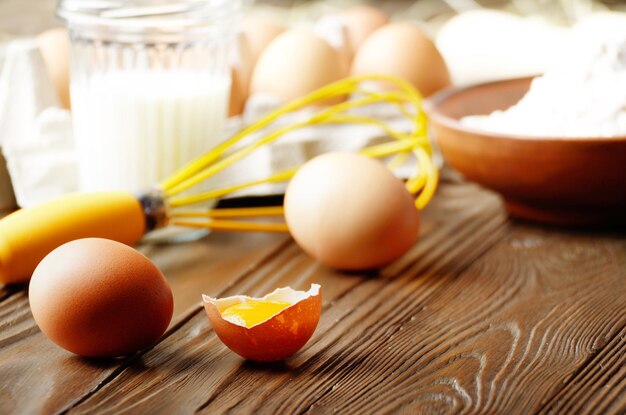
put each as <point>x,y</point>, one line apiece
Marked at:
<point>403,97</point>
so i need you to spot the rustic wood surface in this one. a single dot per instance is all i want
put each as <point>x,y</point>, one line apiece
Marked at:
<point>484,315</point>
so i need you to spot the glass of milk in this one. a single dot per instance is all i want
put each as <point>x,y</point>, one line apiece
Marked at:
<point>150,85</point>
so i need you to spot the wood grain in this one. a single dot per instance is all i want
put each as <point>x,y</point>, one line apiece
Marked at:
<point>456,351</point>
<point>474,347</point>
<point>483,315</point>
<point>341,293</point>
<point>599,386</point>
<point>50,379</point>
<point>211,265</point>
<point>478,312</point>
<point>372,301</point>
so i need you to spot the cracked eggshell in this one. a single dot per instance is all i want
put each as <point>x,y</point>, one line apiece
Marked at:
<point>277,338</point>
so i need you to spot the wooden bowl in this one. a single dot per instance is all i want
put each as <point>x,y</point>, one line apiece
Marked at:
<point>556,180</point>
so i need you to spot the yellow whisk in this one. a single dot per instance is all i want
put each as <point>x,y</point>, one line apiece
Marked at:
<point>27,235</point>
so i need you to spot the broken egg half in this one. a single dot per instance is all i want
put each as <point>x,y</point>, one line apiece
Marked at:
<point>266,329</point>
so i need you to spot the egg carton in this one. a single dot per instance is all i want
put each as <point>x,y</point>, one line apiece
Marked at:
<point>35,132</point>
<point>299,146</point>
<point>37,142</point>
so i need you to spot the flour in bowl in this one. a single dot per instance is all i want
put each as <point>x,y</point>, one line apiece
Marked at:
<point>584,95</point>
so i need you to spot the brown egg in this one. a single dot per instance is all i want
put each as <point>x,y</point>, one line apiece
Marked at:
<point>240,77</point>
<point>362,21</point>
<point>350,212</point>
<point>402,50</point>
<point>295,64</point>
<point>266,329</point>
<point>55,49</point>
<point>100,298</point>
<point>259,32</point>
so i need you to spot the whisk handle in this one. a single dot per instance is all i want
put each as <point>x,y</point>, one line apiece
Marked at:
<point>28,235</point>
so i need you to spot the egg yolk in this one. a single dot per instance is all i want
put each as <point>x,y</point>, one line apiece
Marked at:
<point>252,312</point>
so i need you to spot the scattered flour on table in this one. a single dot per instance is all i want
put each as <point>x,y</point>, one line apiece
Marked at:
<point>584,95</point>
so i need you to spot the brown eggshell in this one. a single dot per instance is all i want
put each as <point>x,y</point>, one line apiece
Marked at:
<point>296,63</point>
<point>100,298</point>
<point>55,50</point>
<point>240,77</point>
<point>402,50</point>
<point>275,339</point>
<point>360,22</point>
<point>350,212</point>
<point>259,32</point>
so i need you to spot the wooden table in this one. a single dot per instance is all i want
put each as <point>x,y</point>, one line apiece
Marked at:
<point>484,315</point>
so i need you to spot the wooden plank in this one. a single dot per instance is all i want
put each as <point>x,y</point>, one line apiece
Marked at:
<point>446,332</point>
<point>472,317</point>
<point>192,361</point>
<point>197,371</point>
<point>599,386</point>
<point>501,337</point>
<point>370,300</point>
<point>8,291</point>
<point>211,265</point>
<point>38,376</point>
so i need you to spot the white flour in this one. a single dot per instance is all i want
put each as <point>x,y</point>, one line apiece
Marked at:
<point>584,95</point>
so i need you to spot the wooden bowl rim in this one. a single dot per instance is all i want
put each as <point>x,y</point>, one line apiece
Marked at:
<point>432,108</point>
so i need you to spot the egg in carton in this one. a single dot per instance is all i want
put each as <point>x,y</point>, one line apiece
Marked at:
<point>35,131</point>
<point>41,159</point>
<point>323,46</point>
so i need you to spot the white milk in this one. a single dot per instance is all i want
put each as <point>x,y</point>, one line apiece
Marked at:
<point>133,129</point>
<point>583,94</point>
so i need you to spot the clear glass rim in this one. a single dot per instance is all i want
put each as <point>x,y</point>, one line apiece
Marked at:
<point>146,15</point>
